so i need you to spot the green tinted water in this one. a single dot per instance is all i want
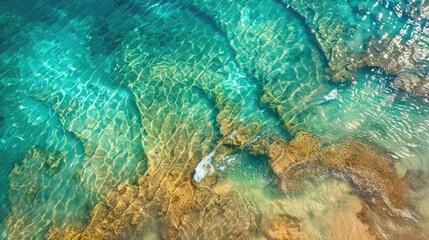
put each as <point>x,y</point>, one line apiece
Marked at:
<point>90,90</point>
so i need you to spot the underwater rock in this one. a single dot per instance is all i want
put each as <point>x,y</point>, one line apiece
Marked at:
<point>409,60</point>
<point>370,170</point>
<point>386,195</point>
<point>67,233</point>
<point>107,220</point>
<point>42,178</point>
<point>187,213</point>
<point>303,147</point>
<point>241,136</point>
<point>284,79</point>
<point>402,60</point>
<point>221,215</point>
<point>207,71</point>
<point>341,30</point>
<point>261,145</point>
<point>389,54</point>
<point>412,84</point>
<point>327,38</point>
<point>167,194</point>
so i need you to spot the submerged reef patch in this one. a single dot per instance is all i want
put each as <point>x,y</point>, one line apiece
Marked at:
<point>186,209</point>
<point>183,210</point>
<point>368,168</point>
<point>371,34</point>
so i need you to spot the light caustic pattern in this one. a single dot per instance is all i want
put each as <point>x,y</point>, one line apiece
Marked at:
<point>162,117</point>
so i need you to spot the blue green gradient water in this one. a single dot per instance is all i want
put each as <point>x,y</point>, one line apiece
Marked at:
<point>90,90</point>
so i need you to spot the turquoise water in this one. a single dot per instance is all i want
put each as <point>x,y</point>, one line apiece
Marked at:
<point>93,94</point>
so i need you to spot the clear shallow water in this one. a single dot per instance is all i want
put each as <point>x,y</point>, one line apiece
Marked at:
<point>95,94</point>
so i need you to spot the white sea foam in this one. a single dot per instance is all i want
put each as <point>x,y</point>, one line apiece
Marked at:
<point>204,168</point>
<point>226,161</point>
<point>329,97</point>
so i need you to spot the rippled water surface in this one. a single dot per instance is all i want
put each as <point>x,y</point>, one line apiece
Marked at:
<point>214,119</point>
